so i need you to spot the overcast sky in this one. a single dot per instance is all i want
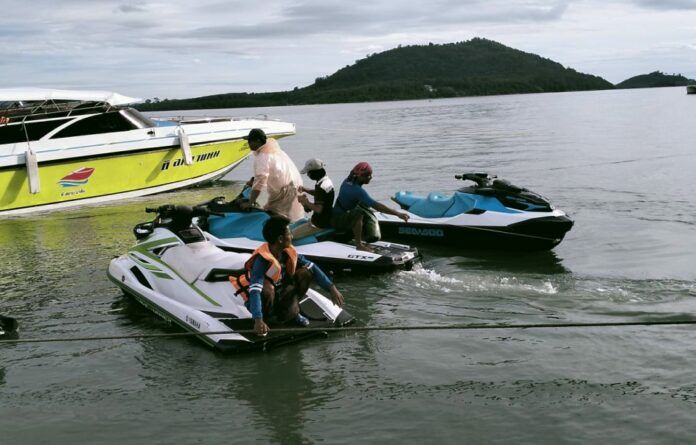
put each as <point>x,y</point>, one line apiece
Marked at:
<point>187,48</point>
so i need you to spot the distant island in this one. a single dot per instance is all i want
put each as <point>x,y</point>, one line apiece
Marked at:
<point>476,67</point>
<point>656,79</point>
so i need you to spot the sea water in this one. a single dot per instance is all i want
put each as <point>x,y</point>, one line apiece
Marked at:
<point>620,163</point>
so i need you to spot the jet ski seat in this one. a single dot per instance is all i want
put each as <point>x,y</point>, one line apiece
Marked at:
<point>303,228</point>
<point>196,260</point>
<point>304,232</point>
<point>435,205</point>
<point>406,199</point>
<point>239,225</point>
<point>432,206</point>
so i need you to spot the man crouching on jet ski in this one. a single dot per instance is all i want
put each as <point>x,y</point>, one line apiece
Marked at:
<point>277,277</point>
<point>352,209</point>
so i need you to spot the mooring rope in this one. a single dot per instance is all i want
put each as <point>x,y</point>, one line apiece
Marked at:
<point>360,329</point>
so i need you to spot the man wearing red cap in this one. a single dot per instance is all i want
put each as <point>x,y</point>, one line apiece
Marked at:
<point>352,209</point>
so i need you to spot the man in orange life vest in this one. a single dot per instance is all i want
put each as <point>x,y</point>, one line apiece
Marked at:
<point>277,277</point>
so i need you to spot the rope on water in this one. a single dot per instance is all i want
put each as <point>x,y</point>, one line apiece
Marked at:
<point>362,329</point>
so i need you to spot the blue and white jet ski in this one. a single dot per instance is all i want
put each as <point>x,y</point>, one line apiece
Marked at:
<point>178,274</point>
<point>490,214</point>
<point>241,231</point>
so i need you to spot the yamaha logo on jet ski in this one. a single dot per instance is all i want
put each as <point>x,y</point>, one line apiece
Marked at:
<point>421,232</point>
<point>193,322</point>
<point>198,158</point>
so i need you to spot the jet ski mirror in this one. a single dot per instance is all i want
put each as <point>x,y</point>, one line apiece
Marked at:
<point>143,230</point>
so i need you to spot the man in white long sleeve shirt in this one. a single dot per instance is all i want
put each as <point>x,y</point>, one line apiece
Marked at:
<point>274,171</point>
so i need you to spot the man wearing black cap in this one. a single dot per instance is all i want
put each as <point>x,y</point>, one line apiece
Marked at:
<point>323,193</point>
<point>275,172</point>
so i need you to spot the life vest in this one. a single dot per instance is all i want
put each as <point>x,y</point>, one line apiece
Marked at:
<point>273,274</point>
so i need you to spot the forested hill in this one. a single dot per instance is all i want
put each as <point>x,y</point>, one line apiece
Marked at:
<point>656,79</point>
<point>473,68</point>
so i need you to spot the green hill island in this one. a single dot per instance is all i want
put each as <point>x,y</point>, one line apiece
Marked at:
<point>656,79</point>
<point>472,68</point>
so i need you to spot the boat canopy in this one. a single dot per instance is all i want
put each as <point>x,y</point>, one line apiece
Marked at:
<point>44,94</point>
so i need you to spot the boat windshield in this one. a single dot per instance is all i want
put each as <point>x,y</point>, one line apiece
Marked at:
<point>138,117</point>
<point>18,127</point>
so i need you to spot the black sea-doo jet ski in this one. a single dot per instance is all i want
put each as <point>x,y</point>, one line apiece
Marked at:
<point>490,214</point>
<point>241,231</point>
<point>177,273</point>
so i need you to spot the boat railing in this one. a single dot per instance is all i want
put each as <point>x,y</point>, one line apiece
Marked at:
<point>211,119</point>
<point>19,112</point>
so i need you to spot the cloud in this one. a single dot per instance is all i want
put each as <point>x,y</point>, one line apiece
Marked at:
<point>179,48</point>
<point>129,8</point>
<point>667,5</point>
<point>312,17</point>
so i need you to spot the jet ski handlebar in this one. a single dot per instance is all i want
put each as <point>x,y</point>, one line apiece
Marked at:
<point>480,178</point>
<point>178,211</point>
<point>176,218</point>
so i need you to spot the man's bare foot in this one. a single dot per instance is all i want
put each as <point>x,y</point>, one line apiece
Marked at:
<point>364,247</point>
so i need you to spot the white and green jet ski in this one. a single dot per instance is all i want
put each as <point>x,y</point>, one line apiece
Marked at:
<point>178,274</point>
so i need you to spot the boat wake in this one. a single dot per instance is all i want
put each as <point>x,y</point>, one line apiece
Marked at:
<point>423,278</point>
<point>546,287</point>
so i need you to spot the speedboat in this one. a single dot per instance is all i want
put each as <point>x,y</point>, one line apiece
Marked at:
<point>178,274</point>
<point>61,148</point>
<point>490,214</point>
<point>241,231</point>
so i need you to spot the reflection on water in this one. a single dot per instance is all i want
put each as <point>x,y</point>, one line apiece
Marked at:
<point>277,390</point>
<point>545,263</point>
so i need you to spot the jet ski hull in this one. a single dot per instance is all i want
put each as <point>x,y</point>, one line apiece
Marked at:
<point>543,233</point>
<point>183,278</point>
<point>242,232</point>
<point>199,321</point>
<point>338,257</point>
<point>492,214</point>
